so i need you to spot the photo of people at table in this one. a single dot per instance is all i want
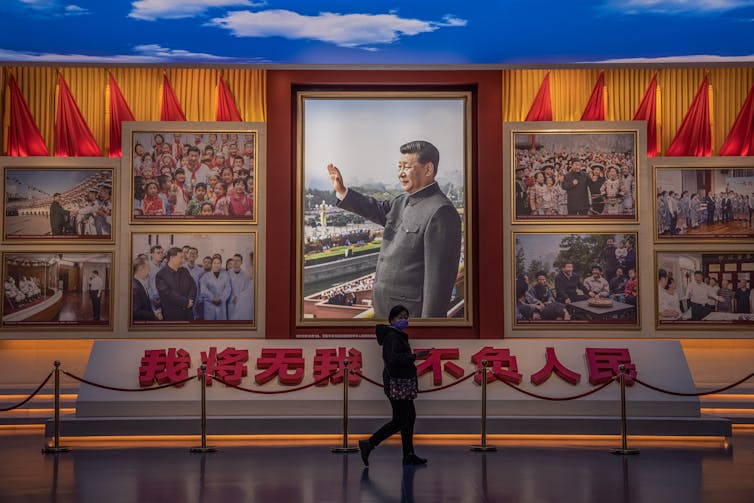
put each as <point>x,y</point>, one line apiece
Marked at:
<point>705,288</point>
<point>201,279</point>
<point>574,175</point>
<point>704,203</point>
<point>204,176</point>
<point>575,278</point>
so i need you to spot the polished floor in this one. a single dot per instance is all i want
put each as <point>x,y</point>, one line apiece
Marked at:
<point>553,470</point>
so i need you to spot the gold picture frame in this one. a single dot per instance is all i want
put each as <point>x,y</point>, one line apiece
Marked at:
<point>85,214</point>
<point>56,290</point>
<point>556,301</point>
<point>442,117</point>
<point>206,243</point>
<point>697,184</point>
<point>564,195</point>
<point>678,306</point>
<point>177,197</point>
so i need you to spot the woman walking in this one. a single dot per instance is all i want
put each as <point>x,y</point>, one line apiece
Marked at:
<point>400,383</point>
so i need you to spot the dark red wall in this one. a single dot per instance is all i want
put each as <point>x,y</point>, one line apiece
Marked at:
<point>487,188</point>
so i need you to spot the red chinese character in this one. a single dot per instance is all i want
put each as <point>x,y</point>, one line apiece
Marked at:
<point>603,364</point>
<point>286,363</point>
<point>163,367</point>
<point>228,365</point>
<point>552,364</point>
<point>327,361</point>
<point>433,363</point>
<point>497,359</point>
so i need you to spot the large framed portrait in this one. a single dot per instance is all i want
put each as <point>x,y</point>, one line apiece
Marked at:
<point>193,280</point>
<point>58,199</point>
<point>703,199</point>
<point>584,280</point>
<point>711,289</point>
<point>384,207</point>
<point>193,172</point>
<point>566,171</point>
<point>65,290</point>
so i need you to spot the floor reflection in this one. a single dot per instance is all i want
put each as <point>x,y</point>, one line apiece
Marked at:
<point>311,473</point>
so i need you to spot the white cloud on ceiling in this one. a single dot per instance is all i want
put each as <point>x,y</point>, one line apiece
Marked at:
<point>676,6</point>
<point>150,10</point>
<point>75,10</point>
<point>147,53</point>
<point>345,30</point>
<point>54,8</point>
<point>694,58</point>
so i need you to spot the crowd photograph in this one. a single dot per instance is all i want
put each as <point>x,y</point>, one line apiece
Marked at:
<point>194,175</point>
<point>575,278</point>
<point>568,175</point>
<point>57,289</point>
<point>705,288</point>
<point>713,203</point>
<point>365,240</point>
<point>56,203</point>
<point>193,279</point>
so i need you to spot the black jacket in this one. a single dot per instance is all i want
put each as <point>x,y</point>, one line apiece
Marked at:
<point>396,353</point>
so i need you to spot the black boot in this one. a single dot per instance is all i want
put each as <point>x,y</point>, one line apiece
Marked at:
<point>365,447</point>
<point>413,459</point>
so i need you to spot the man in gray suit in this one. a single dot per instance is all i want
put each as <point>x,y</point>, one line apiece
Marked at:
<point>421,244</point>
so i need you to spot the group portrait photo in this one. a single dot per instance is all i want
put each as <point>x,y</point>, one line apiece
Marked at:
<point>704,203</point>
<point>575,279</point>
<point>573,174</point>
<point>193,175</point>
<point>57,290</point>
<point>55,203</point>
<point>197,280</point>
<point>384,207</point>
<point>705,289</point>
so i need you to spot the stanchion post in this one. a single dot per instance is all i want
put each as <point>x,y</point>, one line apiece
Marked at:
<point>56,448</point>
<point>623,421</point>
<point>483,447</point>
<point>203,378</point>
<point>345,447</point>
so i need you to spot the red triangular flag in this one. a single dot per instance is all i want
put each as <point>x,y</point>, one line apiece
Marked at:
<point>171,108</point>
<point>226,106</point>
<point>595,107</point>
<point>119,112</point>
<point>740,140</point>
<point>694,137</point>
<point>23,134</point>
<point>541,108</point>
<point>647,111</point>
<point>72,134</point>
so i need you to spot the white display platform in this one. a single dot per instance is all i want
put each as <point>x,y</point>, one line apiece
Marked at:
<point>453,410</point>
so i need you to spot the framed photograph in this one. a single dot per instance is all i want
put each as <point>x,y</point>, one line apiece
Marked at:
<point>192,172</point>
<point>704,289</point>
<point>575,280</point>
<point>70,289</point>
<point>700,199</point>
<point>561,172</point>
<point>384,207</point>
<point>58,199</point>
<point>200,280</point>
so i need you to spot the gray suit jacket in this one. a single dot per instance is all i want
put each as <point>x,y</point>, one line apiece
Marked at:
<point>421,246</point>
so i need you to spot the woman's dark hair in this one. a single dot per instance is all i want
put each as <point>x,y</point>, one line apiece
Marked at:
<point>396,311</point>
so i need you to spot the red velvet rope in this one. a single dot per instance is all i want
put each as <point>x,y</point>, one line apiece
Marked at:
<point>555,398</point>
<point>279,392</point>
<point>440,388</point>
<point>676,393</point>
<point>113,388</point>
<point>459,381</point>
<point>33,394</point>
